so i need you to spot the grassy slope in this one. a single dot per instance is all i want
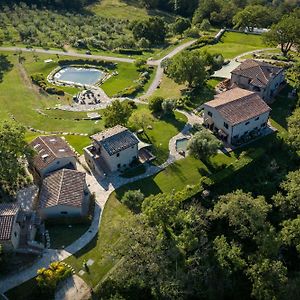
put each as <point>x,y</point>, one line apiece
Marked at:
<point>233,44</point>
<point>128,10</point>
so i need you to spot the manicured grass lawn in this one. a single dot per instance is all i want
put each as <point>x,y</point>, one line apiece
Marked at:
<point>127,74</point>
<point>114,216</point>
<point>163,130</point>
<point>78,142</point>
<point>62,235</point>
<point>169,89</point>
<point>233,44</point>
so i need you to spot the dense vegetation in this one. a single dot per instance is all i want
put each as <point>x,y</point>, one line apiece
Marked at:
<point>47,28</point>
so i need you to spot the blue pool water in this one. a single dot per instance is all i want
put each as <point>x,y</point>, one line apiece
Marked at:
<point>83,76</point>
<point>181,145</point>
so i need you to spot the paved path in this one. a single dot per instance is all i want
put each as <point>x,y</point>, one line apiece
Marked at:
<point>73,54</point>
<point>159,72</point>
<point>73,288</point>
<point>225,71</point>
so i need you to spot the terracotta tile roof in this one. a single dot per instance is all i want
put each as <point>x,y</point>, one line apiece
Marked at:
<point>115,139</point>
<point>8,213</point>
<point>238,105</point>
<point>259,72</point>
<point>64,187</point>
<point>49,148</point>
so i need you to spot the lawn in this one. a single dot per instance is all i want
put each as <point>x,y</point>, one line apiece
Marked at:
<point>114,216</point>
<point>281,110</point>
<point>233,44</point>
<point>162,131</point>
<point>169,89</point>
<point>62,235</point>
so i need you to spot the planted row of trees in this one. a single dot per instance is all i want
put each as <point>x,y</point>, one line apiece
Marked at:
<point>48,28</point>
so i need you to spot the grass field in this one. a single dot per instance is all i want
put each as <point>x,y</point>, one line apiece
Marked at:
<point>128,10</point>
<point>114,215</point>
<point>233,44</point>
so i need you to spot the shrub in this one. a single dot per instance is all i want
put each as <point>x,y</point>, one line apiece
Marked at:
<point>133,200</point>
<point>155,104</point>
<point>192,32</point>
<point>168,106</point>
<point>132,104</point>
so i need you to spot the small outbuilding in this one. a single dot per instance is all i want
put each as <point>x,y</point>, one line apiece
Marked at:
<point>9,226</point>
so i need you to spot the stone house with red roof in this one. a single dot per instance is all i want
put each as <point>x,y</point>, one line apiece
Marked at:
<point>64,193</point>
<point>52,153</point>
<point>260,77</point>
<point>236,115</point>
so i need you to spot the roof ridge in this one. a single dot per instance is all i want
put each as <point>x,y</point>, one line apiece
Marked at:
<point>47,146</point>
<point>260,67</point>
<point>60,186</point>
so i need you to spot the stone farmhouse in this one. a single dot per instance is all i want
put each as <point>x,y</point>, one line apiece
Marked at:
<point>64,193</point>
<point>18,229</point>
<point>51,153</point>
<point>257,76</point>
<point>236,115</point>
<point>115,149</point>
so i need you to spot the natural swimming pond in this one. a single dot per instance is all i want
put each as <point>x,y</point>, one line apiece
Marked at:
<point>181,145</point>
<point>82,76</point>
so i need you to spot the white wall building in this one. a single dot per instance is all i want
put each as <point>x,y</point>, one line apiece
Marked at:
<point>260,77</point>
<point>115,149</point>
<point>236,114</point>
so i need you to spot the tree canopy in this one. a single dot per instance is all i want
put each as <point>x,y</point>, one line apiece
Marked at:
<point>187,67</point>
<point>285,33</point>
<point>203,144</point>
<point>14,150</point>
<point>118,113</point>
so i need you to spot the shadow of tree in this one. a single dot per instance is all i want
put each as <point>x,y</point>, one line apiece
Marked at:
<point>5,66</point>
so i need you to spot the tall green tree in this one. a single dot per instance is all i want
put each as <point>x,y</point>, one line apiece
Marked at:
<point>253,16</point>
<point>118,113</point>
<point>268,278</point>
<point>288,199</point>
<point>286,33</point>
<point>187,67</point>
<point>293,137</point>
<point>242,213</point>
<point>203,144</point>
<point>290,233</point>
<point>14,150</point>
